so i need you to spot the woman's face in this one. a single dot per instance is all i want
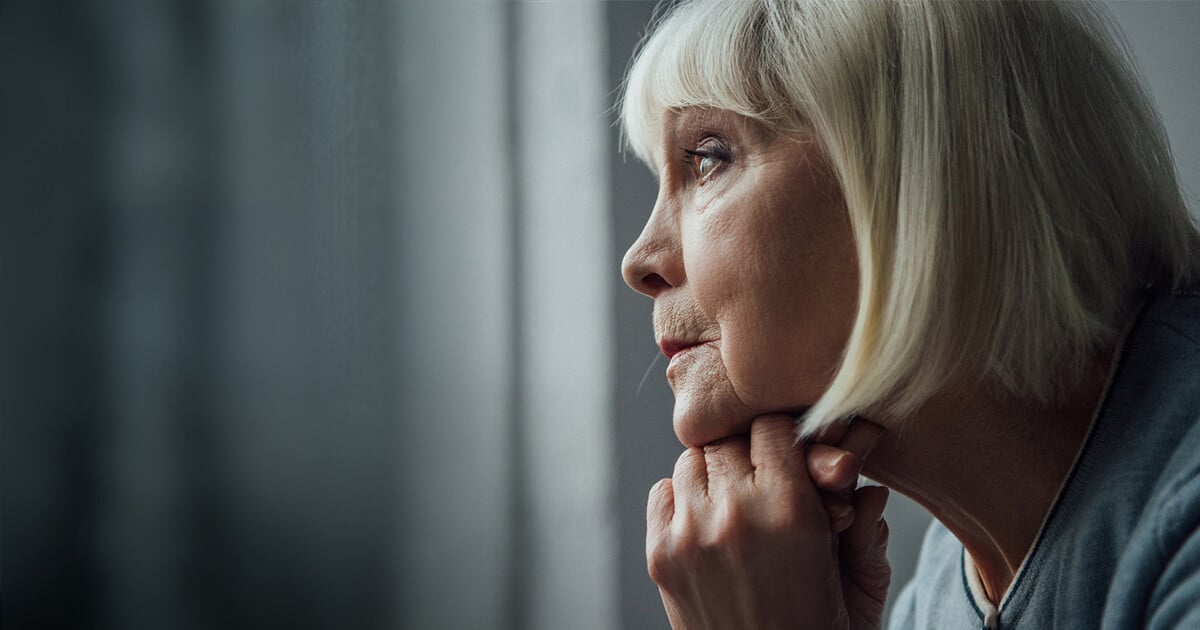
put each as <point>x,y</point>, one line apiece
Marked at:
<point>750,259</point>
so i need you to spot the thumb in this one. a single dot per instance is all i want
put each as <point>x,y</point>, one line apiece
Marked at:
<point>863,548</point>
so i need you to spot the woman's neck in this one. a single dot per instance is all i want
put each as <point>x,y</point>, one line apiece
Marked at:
<point>989,471</point>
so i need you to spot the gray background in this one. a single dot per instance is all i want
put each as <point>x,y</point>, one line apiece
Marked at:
<point>312,315</point>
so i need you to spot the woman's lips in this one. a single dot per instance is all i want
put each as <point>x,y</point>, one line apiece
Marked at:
<point>671,347</point>
<point>677,352</point>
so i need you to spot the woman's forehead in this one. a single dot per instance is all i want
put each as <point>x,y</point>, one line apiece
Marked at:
<point>680,120</point>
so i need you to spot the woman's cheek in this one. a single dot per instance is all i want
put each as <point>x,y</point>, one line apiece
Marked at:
<point>770,368</point>
<point>748,366</point>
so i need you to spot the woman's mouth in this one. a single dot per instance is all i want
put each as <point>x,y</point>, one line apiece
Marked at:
<point>676,351</point>
<point>672,347</point>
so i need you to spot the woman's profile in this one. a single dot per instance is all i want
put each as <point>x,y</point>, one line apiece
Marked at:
<point>941,244</point>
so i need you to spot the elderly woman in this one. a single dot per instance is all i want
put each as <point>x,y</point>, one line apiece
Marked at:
<point>946,236</point>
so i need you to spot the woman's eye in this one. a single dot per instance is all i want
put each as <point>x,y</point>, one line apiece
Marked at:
<point>702,162</point>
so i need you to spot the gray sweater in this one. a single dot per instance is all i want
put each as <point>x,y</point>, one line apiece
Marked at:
<point>1121,546</point>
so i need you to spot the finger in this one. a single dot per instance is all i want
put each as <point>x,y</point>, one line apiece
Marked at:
<point>660,509</point>
<point>690,479</point>
<point>727,463</point>
<point>864,543</point>
<point>833,469</point>
<point>831,433</point>
<point>870,502</point>
<point>861,438</point>
<point>774,447</point>
<point>841,514</point>
<point>862,552</point>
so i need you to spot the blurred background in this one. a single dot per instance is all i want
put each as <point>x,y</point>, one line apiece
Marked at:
<point>312,315</point>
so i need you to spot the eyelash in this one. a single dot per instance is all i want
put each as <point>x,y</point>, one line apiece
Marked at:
<point>693,157</point>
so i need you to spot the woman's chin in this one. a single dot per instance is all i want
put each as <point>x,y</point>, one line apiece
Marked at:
<point>704,415</point>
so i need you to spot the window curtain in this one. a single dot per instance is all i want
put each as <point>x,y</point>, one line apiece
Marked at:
<point>308,319</point>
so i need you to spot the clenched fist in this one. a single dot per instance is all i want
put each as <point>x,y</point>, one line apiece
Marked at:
<point>759,531</point>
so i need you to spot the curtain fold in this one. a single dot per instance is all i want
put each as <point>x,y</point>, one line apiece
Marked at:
<point>277,353</point>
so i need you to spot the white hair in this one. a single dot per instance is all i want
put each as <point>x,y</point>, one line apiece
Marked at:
<point>1009,185</point>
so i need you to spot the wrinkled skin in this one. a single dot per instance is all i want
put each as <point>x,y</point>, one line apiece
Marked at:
<point>749,257</point>
<point>752,532</point>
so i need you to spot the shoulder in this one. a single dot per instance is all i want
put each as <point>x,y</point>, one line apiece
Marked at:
<point>1157,581</point>
<point>1166,561</point>
<point>1174,513</point>
<point>1162,403</point>
<point>1169,325</point>
<point>1168,328</point>
<point>1154,400</point>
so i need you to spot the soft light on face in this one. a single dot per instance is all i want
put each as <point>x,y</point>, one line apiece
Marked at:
<point>750,259</point>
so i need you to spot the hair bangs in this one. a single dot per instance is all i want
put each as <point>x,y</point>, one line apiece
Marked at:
<point>700,55</point>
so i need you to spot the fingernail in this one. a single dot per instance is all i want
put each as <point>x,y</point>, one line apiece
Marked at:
<point>831,465</point>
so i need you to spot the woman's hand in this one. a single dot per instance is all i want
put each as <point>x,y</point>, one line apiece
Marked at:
<point>857,515</point>
<point>741,536</point>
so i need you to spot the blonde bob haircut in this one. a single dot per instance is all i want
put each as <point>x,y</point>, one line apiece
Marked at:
<point>1008,183</point>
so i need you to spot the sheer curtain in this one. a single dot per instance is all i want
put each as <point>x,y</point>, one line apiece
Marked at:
<point>310,322</point>
<point>506,265</point>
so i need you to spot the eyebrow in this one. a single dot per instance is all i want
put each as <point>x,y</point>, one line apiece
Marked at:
<point>747,128</point>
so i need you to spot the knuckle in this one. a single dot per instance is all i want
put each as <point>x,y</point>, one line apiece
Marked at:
<point>687,461</point>
<point>659,491</point>
<point>686,550</point>
<point>659,505</point>
<point>672,553</point>
<point>689,456</point>
<point>783,519</point>
<point>875,575</point>
<point>660,565</point>
<point>884,573</point>
<point>683,542</point>
<point>796,518</point>
<point>731,529</point>
<point>717,462</point>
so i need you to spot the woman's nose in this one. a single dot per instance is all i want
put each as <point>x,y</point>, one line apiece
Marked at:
<point>654,263</point>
